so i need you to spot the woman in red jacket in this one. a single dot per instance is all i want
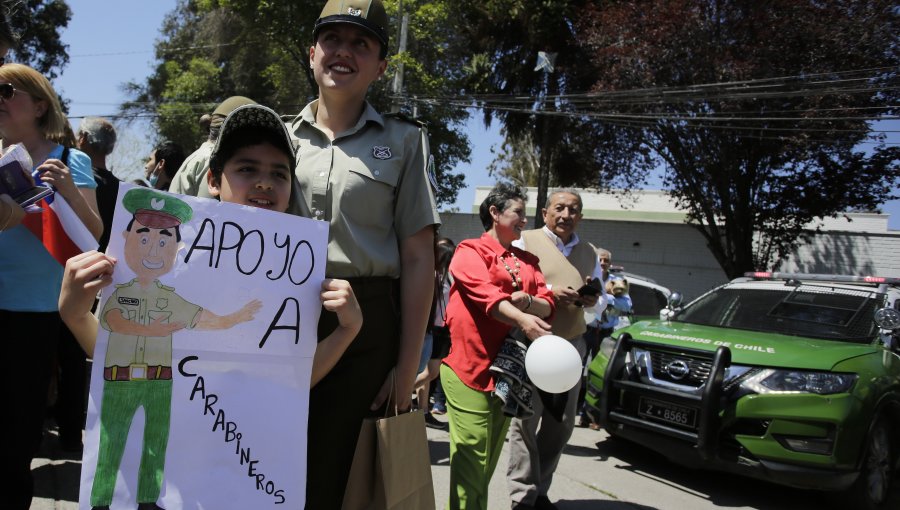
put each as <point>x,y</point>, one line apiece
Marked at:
<point>496,287</point>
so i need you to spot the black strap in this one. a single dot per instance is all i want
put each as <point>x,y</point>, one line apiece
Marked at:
<point>65,156</point>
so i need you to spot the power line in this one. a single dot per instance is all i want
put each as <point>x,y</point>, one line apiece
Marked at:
<point>761,89</point>
<point>606,116</point>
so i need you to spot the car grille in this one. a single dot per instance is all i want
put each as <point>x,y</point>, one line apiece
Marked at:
<point>699,368</point>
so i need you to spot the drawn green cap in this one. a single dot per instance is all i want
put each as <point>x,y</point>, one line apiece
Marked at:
<point>156,210</point>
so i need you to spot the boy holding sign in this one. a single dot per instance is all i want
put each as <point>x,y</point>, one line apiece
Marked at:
<point>252,164</point>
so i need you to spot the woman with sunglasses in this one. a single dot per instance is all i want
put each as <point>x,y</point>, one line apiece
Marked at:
<point>30,277</point>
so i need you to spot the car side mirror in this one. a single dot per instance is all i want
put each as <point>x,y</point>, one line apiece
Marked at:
<point>675,300</point>
<point>673,305</point>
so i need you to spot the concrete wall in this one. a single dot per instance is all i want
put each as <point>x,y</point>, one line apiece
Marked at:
<point>859,253</point>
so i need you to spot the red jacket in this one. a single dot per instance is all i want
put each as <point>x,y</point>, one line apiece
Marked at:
<point>481,282</point>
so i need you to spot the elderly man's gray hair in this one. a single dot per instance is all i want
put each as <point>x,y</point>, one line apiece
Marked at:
<point>101,135</point>
<point>567,191</point>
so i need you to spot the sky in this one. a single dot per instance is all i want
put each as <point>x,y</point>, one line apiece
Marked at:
<point>111,43</point>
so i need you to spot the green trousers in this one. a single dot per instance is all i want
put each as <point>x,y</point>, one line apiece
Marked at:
<point>121,399</point>
<point>477,431</point>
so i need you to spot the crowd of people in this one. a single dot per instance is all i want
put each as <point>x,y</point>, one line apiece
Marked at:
<point>404,310</point>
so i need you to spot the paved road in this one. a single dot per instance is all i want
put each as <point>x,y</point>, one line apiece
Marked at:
<point>595,473</point>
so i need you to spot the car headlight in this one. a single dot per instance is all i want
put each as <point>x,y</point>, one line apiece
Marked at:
<point>796,381</point>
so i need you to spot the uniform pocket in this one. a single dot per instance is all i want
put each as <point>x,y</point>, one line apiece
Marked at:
<point>368,197</point>
<point>386,172</point>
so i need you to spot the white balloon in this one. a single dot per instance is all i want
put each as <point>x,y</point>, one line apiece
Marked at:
<point>553,364</point>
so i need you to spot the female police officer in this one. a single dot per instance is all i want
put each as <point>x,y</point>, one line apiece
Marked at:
<point>365,174</point>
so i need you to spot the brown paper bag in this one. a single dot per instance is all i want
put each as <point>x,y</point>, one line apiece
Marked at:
<point>403,465</point>
<point>391,467</point>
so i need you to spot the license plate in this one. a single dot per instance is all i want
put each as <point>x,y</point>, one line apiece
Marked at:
<point>669,413</point>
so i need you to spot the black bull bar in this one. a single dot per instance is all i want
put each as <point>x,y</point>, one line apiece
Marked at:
<point>707,400</point>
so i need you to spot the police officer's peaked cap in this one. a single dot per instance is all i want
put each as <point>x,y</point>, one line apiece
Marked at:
<point>227,106</point>
<point>368,14</point>
<point>154,209</point>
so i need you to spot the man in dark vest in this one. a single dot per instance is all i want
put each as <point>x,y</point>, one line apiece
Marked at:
<point>536,443</point>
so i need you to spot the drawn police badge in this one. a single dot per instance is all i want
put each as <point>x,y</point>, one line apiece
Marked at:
<point>379,152</point>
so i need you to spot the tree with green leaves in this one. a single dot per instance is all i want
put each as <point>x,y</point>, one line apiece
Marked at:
<point>764,114</point>
<point>204,56</point>
<point>212,49</point>
<point>38,24</point>
<point>504,39</point>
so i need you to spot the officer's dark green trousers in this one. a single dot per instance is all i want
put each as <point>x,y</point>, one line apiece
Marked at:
<point>338,404</point>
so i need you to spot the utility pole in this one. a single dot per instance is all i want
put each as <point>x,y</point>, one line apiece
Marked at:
<point>397,88</point>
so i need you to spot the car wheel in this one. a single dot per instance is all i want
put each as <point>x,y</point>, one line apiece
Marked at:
<point>872,489</point>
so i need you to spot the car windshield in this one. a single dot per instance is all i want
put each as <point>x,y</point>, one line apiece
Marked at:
<point>817,311</point>
<point>647,301</point>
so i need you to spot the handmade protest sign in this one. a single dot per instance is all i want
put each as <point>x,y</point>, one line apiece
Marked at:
<point>200,382</point>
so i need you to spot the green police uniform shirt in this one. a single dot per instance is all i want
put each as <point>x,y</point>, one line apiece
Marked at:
<point>370,184</point>
<point>190,179</point>
<point>144,306</point>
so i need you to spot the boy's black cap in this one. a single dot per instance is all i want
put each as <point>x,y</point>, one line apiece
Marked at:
<point>368,14</point>
<point>256,117</point>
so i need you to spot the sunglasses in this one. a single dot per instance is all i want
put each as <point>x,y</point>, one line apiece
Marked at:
<point>8,91</point>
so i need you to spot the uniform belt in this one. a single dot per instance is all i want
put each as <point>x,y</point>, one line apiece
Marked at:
<point>368,287</point>
<point>138,372</point>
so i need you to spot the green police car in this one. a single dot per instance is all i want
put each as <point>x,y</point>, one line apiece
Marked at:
<point>790,378</point>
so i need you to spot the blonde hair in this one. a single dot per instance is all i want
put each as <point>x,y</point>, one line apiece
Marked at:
<point>53,124</point>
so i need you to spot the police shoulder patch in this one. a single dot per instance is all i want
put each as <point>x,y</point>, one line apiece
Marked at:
<point>430,171</point>
<point>405,118</point>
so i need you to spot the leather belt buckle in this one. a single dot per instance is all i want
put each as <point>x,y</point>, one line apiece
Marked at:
<point>138,371</point>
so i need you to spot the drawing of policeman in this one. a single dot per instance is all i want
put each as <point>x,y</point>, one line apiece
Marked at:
<point>141,316</point>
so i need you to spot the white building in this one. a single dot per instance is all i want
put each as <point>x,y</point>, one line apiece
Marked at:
<point>647,235</point>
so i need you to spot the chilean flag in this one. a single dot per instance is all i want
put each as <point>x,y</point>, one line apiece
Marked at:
<point>59,229</point>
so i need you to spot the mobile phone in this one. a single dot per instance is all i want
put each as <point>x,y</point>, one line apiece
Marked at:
<point>14,183</point>
<point>592,288</point>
